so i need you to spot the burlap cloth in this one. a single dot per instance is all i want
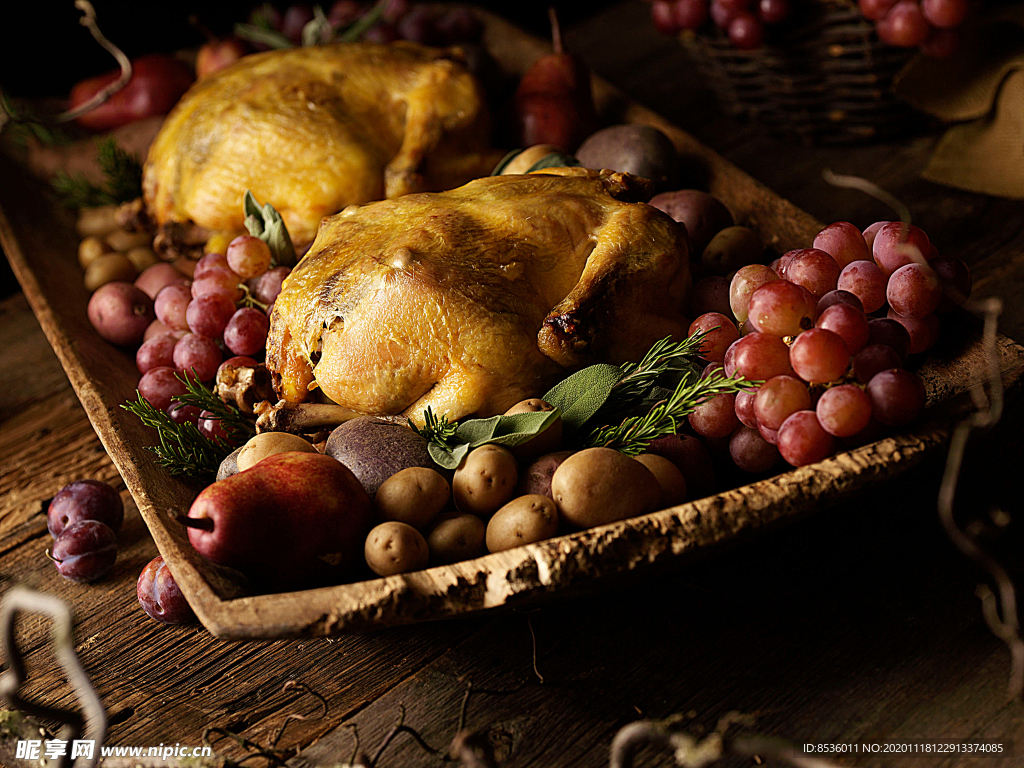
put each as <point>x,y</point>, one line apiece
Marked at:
<point>980,89</point>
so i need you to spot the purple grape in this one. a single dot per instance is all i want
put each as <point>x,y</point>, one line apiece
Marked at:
<point>897,396</point>
<point>883,330</point>
<point>84,500</point>
<point>155,352</point>
<point>914,290</point>
<point>198,355</point>
<point>802,439</point>
<point>751,452</point>
<point>160,596</point>
<point>160,386</point>
<point>246,332</point>
<point>85,551</point>
<point>873,359</point>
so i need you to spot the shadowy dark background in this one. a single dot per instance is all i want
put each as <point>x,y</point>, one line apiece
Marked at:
<point>47,50</point>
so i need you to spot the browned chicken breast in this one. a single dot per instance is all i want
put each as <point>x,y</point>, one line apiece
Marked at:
<point>471,300</point>
<point>313,129</point>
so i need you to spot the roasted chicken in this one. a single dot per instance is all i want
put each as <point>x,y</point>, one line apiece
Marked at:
<point>471,300</point>
<point>311,130</point>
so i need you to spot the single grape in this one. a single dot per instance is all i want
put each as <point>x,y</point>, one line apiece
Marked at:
<point>84,500</point>
<point>819,356</point>
<point>802,439</point>
<point>722,14</point>
<point>883,330</point>
<point>342,13</point>
<point>843,242</point>
<point>721,332</point>
<point>183,414</point>
<point>248,256</point>
<point>747,280</point>
<point>778,398</point>
<point>781,308</point>
<point>872,359</point>
<point>923,331</point>
<point>871,231</point>
<point>897,244</point>
<point>85,550</point>
<point>844,411</point>
<point>246,332</point>
<point>849,322</point>
<point>774,11</point>
<point>914,290</point>
<point>219,280</point>
<point>838,296</point>
<point>207,262</point>
<point>715,417</point>
<point>663,16</point>
<point>294,18</point>
<point>955,278</point>
<point>160,385</point>
<point>690,14</point>
<point>170,305</point>
<point>904,26</point>
<point>942,43</point>
<point>745,407</point>
<point>758,357</point>
<point>157,328</point>
<point>897,396</point>
<point>156,277</point>
<point>746,31</point>
<point>266,287</point>
<point>866,281</point>
<point>160,596</point>
<point>751,452</point>
<point>813,269</point>
<point>212,427</point>
<point>875,10</point>
<point>770,435</point>
<point>197,355</point>
<point>945,14</point>
<point>155,352</point>
<point>208,315</point>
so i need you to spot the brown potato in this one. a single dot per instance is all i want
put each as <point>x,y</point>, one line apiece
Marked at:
<point>670,479</point>
<point>123,241</point>
<point>109,268</point>
<point>457,537</point>
<point>98,221</point>
<point>596,486</point>
<point>414,495</point>
<point>730,249</point>
<point>270,443</point>
<point>142,257</point>
<point>546,441</point>
<point>485,480</point>
<point>523,520</point>
<point>90,249</point>
<point>395,547</point>
<point>526,159</point>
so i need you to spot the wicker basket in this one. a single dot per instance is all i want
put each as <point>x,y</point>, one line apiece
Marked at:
<point>826,78</point>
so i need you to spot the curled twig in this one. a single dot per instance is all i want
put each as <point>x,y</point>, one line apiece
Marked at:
<point>1001,618</point>
<point>292,716</point>
<point>868,188</point>
<point>254,749</point>
<point>88,21</point>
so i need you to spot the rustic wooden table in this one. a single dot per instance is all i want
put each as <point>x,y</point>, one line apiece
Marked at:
<point>857,625</point>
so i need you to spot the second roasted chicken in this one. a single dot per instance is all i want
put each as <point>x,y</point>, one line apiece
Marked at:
<point>311,130</point>
<point>471,300</point>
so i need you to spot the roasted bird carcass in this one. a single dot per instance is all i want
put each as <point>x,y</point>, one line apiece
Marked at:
<point>471,300</point>
<point>313,129</point>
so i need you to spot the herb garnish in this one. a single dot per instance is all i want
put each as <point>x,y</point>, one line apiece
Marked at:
<point>122,173</point>
<point>266,223</point>
<point>449,443</point>
<point>183,449</point>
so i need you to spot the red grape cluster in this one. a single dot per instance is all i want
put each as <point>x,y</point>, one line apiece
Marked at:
<point>222,313</point>
<point>828,330</point>
<point>743,21</point>
<point>931,25</point>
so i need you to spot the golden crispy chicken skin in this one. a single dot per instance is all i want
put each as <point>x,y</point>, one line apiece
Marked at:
<point>313,129</point>
<point>471,300</point>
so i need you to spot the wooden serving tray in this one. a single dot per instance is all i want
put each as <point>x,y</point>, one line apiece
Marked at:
<point>41,243</point>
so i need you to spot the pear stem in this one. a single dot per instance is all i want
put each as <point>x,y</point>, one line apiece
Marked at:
<point>202,523</point>
<point>556,31</point>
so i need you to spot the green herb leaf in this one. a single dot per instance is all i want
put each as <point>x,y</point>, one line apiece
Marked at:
<point>582,394</point>
<point>262,35</point>
<point>122,172</point>
<point>450,443</point>
<point>266,224</point>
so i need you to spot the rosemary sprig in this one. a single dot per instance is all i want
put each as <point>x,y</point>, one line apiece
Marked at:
<point>664,359</point>
<point>122,173</point>
<point>436,429</point>
<point>183,449</point>
<point>635,433</point>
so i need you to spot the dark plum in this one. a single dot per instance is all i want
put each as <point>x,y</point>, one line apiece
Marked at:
<point>85,551</point>
<point>160,596</point>
<point>84,500</point>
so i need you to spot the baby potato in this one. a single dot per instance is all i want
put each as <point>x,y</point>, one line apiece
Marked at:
<point>457,537</point>
<point>90,249</point>
<point>730,249</point>
<point>123,241</point>
<point>485,480</point>
<point>670,478</point>
<point>97,221</point>
<point>269,443</point>
<point>109,268</point>
<point>414,495</point>
<point>395,547</point>
<point>523,520</point>
<point>546,441</point>
<point>596,486</point>
<point>143,257</point>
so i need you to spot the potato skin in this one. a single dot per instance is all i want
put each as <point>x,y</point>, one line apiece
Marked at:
<point>395,547</point>
<point>597,486</point>
<point>457,537</point>
<point>375,448</point>
<point>546,441</point>
<point>523,520</point>
<point>670,478</point>
<point>536,478</point>
<point>642,150</point>
<point>267,444</point>
<point>120,313</point>
<point>485,480</point>
<point>414,495</point>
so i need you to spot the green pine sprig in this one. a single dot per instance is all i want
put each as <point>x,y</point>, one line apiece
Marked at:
<point>436,428</point>
<point>122,174</point>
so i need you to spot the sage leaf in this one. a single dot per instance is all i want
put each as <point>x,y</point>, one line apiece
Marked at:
<point>501,430</point>
<point>266,224</point>
<point>449,458</point>
<point>582,394</point>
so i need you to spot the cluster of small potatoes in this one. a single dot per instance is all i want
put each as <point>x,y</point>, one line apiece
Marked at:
<point>107,252</point>
<point>499,498</point>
